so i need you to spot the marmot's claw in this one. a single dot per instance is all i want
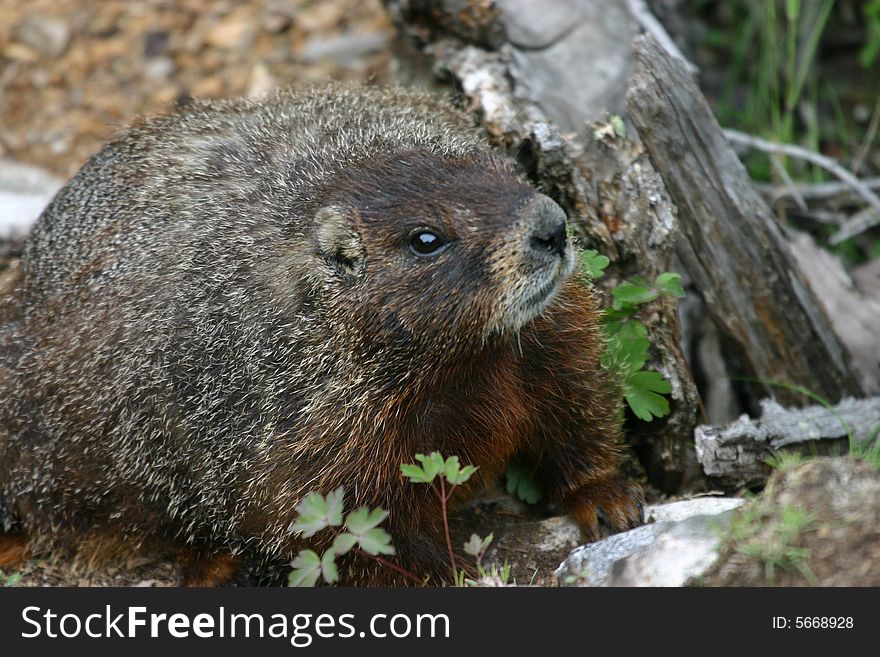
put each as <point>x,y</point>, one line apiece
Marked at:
<point>615,503</point>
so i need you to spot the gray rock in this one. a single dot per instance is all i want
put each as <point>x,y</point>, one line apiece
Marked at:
<point>680,544</point>
<point>575,58</point>
<point>44,34</point>
<point>24,193</point>
<point>699,506</point>
<point>680,550</point>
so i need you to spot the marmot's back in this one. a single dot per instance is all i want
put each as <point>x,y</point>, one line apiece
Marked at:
<point>230,307</point>
<point>243,166</point>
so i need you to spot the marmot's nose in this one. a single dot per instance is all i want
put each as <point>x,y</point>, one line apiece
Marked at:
<point>547,224</point>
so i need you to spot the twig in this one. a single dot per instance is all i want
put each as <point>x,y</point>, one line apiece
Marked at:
<point>639,10</point>
<point>389,564</point>
<point>855,225</point>
<point>791,150</point>
<point>825,217</point>
<point>868,140</point>
<point>787,181</point>
<point>443,500</point>
<point>814,191</point>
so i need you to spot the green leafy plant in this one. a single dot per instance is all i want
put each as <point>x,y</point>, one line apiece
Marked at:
<point>520,482</point>
<point>626,352</point>
<point>358,531</point>
<point>9,580</point>
<point>438,472</point>
<point>494,576</point>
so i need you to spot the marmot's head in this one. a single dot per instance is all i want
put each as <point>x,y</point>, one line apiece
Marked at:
<point>440,253</point>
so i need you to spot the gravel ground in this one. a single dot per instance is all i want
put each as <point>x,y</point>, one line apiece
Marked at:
<point>73,73</point>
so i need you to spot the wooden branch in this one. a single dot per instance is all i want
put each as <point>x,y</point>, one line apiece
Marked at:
<point>730,242</point>
<point>858,223</point>
<point>782,172</point>
<point>868,140</point>
<point>829,164</point>
<point>816,191</point>
<point>736,456</point>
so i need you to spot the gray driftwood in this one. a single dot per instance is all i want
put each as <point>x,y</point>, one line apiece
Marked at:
<point>735,455</point>
<point>731,244</point>
<point>502,58</point>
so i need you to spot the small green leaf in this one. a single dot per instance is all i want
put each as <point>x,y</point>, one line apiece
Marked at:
<point>362,520</point>
<point>328,567</point>
<point>376,541</point>
<point>306,569</point>
<point>632,354</point>
<point>316,512</point>
<point>334,507</point>
<point>415,474</point>
<point>13,579</point>
<point>593,263</point>
<point>472,547</point>
<point>618,125</point>
<point>640,391</point>
<point>632,294</point>
<point>670,283</point>
<point>343,543</point>
<point>464,474</point>
<point>520,482</point>
<point>614,316</point>
<point>432,465</point>
<point>451,467</point>
<point>454,473</point>
<point>476,546</point>
<point>632,329</point>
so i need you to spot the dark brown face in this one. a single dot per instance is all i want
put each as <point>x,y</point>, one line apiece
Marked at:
<point>446,253</point>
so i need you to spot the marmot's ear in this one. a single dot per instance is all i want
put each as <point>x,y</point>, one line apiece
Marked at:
<point>338,242</point>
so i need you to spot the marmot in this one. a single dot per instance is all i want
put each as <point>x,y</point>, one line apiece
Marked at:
<point>246,301</point>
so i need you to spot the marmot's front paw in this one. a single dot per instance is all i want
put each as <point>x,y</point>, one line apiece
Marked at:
<point>615,501</point>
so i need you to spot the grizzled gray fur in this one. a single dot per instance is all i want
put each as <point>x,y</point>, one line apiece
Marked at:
<point>230,307</point>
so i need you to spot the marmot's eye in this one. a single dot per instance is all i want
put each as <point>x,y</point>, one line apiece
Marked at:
<point>426,243</point>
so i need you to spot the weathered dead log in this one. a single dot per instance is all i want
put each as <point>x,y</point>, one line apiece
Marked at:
<point>735,456</point>
<point>606,183</point>
<point>731,244</point>
<point>855,314</point>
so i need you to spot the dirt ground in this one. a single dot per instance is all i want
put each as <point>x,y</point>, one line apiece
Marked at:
<point>73,73</point>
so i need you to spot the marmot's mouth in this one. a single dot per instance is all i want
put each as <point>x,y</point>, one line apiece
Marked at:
<point>535,302</point>
<point>542,297</point>
<point>528,299</point>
